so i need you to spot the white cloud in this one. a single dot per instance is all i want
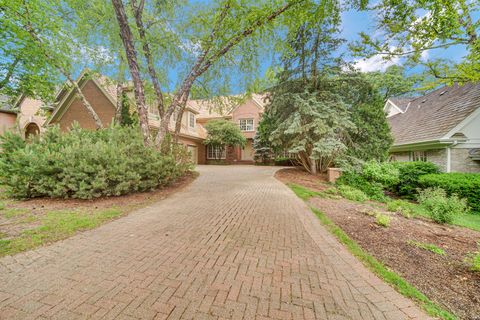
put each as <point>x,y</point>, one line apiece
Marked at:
<point>375,63</point>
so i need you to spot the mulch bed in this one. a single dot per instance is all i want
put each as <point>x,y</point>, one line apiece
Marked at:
<point>447,280</point>
<point>40,206</point>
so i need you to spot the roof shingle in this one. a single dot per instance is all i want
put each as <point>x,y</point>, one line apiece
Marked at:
<point>431,117</point>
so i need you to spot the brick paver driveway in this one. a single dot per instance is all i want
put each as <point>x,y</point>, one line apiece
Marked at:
<point>236,244</point>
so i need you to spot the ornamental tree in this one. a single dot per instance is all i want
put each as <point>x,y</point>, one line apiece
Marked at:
<point>222,133</point>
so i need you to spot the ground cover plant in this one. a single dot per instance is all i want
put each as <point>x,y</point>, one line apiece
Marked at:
<point>440,207</point>
<point>86,164</point>
<point>427,246</point>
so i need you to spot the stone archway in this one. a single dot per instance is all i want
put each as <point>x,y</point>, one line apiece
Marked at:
<point>31,130</point>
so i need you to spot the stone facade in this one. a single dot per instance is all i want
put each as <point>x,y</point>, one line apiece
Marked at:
<point>436,156</point>
<point>461,162</point>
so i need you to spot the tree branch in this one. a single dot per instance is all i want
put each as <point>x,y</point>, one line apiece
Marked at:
<point>138,11</point>
<point>10,71</point>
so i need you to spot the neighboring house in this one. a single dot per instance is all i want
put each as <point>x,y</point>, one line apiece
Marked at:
<point>33,117</point>
<point>442,127</point>
<point>8,115</point>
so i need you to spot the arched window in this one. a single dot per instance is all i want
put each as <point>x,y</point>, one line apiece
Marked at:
<point>31,130</point>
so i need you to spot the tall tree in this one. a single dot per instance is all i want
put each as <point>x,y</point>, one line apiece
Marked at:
<point>219,34</point>
<point>394,82</point>
<point>411,27</point>
<point>39,24</point>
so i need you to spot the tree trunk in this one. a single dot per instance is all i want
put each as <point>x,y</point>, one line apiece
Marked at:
<point>127,39</point>
<point>119,106</point>
<point>138,10</point>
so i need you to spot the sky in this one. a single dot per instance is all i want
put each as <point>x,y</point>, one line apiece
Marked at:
<point>354,22</point>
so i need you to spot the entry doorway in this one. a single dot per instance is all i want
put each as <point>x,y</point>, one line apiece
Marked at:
<point>247,151</point>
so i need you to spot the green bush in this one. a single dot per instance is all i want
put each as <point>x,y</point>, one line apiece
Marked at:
<point>351,193</point>
<point>465,185</point>
<point>442,209</point>
<point>353,179</point>
<point>403,207</point>
<point>409,175</point>
<point>86,164</point>
<point>386,173</point>
<point>382,220</point>
<point>283,161</point>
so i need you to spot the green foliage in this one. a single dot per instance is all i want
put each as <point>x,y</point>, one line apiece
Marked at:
<point>393,82</point>
<point>405,208</point>
<point>465,185</point>
<point>442,209</point>
<point>409,175</point>
<point>386,173</point>
<point>427,246</point>
<point>301,192</point>
<point>389,276</point>
<point>354,179</point>
<point>127,118</point>
<point>351,193</point>
<point>473,259</point>
<point>283,161</point>
<point>382,220</point>
<point>86,164</point>
<point>371,139</point>
<point>410,28</point>
<point>223,133</point>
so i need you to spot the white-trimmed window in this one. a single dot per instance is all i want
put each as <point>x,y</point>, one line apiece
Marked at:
<point>419,156</point>
<point>216,152</point>
<point>191,120</point>
<point>246,124</point>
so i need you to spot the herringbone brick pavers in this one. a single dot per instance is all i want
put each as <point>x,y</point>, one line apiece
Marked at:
<point>236,244</point>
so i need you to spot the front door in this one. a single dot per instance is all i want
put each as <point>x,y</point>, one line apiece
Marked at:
<point>247,151</point>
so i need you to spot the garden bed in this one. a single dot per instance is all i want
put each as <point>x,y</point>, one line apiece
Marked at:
<point>31,223</point>
<point>444,278</point>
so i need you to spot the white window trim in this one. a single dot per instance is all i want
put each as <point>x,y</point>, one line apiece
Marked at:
<point>246,124</point>
<point>191,123</point>
<point>418,156</point>
<point>211,155</point>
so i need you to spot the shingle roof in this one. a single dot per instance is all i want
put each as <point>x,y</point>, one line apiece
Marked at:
<point>6,104</point>
<point>431,117</point>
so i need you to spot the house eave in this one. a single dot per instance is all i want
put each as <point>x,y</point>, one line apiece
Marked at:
<point>423,145</point>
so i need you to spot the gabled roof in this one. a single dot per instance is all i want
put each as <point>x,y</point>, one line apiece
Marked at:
<point>431,117</point>
<point>401,102</point>
<point>6,105</point>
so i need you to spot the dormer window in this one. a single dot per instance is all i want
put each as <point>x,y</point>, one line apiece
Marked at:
<point>246,124</point>
<point>191,120</point>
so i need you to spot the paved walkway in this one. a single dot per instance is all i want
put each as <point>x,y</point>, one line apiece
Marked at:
<point>236,244</point>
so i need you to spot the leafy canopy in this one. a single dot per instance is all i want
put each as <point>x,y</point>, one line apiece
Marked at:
<point>224,133</point>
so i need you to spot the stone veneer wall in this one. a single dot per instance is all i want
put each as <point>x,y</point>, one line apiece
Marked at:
<point>437,156</point>
<point>461,162</point>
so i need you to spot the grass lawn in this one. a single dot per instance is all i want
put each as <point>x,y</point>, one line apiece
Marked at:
<point>25,225</point>
<point>52,226</point>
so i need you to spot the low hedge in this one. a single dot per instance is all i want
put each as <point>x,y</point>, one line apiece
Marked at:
<point>409,175</point>
<point>86,164</point>
<point>464,185</point>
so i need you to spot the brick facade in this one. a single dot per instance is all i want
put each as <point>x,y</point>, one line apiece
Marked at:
<point>77,112</point>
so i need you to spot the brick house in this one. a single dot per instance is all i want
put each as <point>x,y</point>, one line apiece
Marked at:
<point>442,127</point>
<point>33,117</point>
